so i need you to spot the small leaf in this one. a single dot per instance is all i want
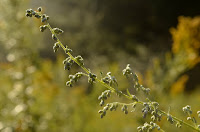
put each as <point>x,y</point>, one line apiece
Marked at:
<point>128,92</point>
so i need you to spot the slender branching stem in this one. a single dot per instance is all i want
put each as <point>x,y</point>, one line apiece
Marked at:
<point>181,121</point>
<point>109,87</point>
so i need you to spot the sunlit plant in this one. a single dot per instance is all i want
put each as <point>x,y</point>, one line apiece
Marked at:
<point>150,107</point>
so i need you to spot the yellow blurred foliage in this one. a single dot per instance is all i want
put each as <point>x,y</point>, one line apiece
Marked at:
<point>186,39</point>
<point>166,74</point>
<point>179,85</point>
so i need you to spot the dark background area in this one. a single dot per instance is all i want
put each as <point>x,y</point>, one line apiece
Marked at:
<point>128,21</point>
<point>149,20</point>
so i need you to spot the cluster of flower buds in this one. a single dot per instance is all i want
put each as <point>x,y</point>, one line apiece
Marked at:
<point>44,18</point>
<point>146,90</point>
<point>110,106</point>
<point>125,109</point>
<point>31,12</point>
<point>127,71</point>
<point>156,116</point>
<point>178,125</point>
<point>91,78</point>
<point>57,30</point>
<point>111,80</point>
<point>139,87</point>
<point>135,78</point>
<point>42,28</point>
<point>54,37</point>
<point>152,107</point>
<point>146,109</point>
<point>74,78</point>
<point>37,14</point>
<point>68,50</point>
<point>56,47</point>
<point>187,109</point>
<point>113,106</point>
<point>68,63</point>
<point>103,112</point>
<point>148,127</point>
<point>104,95</point>
<point>39,9</point>
<point>79,59</point>
<point>133,106</point>
<point>170,119</point>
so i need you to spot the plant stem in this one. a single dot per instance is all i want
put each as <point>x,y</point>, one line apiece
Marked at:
<point>181,121</point>
<point>111,88</point>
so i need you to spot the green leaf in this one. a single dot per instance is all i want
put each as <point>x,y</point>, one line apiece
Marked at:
<point>128,92</point>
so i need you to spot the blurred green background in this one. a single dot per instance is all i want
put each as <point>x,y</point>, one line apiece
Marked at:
<point>160,39</point>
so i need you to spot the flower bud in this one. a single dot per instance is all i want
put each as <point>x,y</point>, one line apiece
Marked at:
<point>37,16</point>
<point>56,46</point>
<point>100,97</point>
<point>27,15</point>
<point>103,114</point>
<point>47,17</point>
<point>68,50</point>
<point>43,19</point>
<point>33,13</point>
<point>68,83</point>
<point>28,11</point>
<point>67,66</point>
<point>42,28</point>
<point>58,30</point>
<point>153,118</point>
<point>101,103</point>
<point>100,111</point>
<point>127,70</point>
<point>126,112</point>
<point>43,15</point>
<point>39,9</point>
<point>54,37</point>
<point>106,108</point>
<point>170,119</point>
<point>79,59</point>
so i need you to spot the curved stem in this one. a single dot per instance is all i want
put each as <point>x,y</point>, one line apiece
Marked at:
<point>181,121</point>
<point>108,86</point>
